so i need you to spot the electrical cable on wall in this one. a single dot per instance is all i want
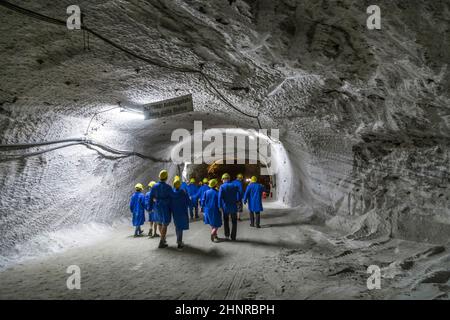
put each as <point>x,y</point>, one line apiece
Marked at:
<point>154,62</point>
<point>96,114</point>
<point>69,142</point>
<point>78,141</point>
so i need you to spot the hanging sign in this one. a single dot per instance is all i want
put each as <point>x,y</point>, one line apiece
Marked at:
<point>168,107</point>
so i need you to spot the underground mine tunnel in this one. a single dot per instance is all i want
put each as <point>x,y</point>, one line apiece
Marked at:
<point>345,127</point>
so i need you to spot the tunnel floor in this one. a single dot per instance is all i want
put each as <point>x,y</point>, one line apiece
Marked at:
<point>288,258</point>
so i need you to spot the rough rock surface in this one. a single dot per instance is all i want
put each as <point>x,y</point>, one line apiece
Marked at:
<point>364,114</point>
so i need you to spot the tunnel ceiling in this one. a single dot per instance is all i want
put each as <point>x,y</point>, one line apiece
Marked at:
<point>364,114</point>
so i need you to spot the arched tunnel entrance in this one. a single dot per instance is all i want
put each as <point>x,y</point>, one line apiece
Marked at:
<point>210,153</point>
<point>218,168</point>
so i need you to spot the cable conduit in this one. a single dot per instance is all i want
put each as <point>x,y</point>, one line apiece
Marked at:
<point>73,142</point>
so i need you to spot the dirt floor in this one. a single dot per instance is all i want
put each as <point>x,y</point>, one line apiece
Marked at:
<point>288,258</point>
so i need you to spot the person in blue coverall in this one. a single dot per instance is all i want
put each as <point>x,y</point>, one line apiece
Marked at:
<point>239,183</point>
<point>159,201</point>
<point>151,213</point>
<point>192,190</point>
<point>179,204</point>
<point>201,191</point>
<point>253,196</point>
<point>137,208</point>
<point>212,215</point>
<point>229,196</point>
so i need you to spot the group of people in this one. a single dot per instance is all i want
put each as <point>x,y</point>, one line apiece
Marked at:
<point>219,205</point>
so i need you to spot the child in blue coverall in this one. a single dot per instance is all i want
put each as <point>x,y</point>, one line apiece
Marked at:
<point>137,208</point>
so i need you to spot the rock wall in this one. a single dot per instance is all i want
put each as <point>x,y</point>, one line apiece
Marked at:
<point>364,114</point>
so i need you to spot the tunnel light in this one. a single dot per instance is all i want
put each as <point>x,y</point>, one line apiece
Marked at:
<point>131,110</point>
<point>131,107</point>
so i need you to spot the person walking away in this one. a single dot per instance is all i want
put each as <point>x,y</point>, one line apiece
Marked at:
<point>212,214</point>
<point>159,201</point>
<point>239,183</point>
<point>253,196</point>
<point>152,233</point>
<point>179,204</point>
<point>229,196</point>
<point>183,184</point>
<point>192,190</point>
<point>137,208</point>
<point>201,192</point>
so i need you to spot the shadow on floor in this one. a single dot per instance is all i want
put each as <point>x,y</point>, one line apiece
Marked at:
<point>190,250</point>
<point>273,215</point>
<point>284,224</point>
<point>276,244</point>
<point>143,236</point>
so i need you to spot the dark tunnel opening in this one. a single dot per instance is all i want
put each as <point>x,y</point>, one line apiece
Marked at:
<point>216,169</point>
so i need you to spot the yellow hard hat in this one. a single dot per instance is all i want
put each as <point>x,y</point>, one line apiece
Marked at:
<point>225,176</point>
<point>151,184</point>
<point>176,178</point>
<point>139,187</point>
<point>205,180</point>
<point>192,180</point>
<point>212,183</point>
<point>163,175</point>
<point>253,179</point>
<point>240,176</point>
<point>177,184</point>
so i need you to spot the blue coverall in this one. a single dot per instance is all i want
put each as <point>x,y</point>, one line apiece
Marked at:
<point>239,184</point>
<point>212,214</point>
<point>228,197</point>
<point>253,196</point>
<point>137,208</point>
<point>201,193</point>
<point>160,194</point>
<point>179,203</point>
<point>192,190</point>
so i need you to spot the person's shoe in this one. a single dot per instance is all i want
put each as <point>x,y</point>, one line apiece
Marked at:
<point>162,244</point>
<point>180,245</point>
<point>258,226</point>
<point>252,225</point>
<point>150,233</point>
<point>212,238</point>
<point>141,231</point>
